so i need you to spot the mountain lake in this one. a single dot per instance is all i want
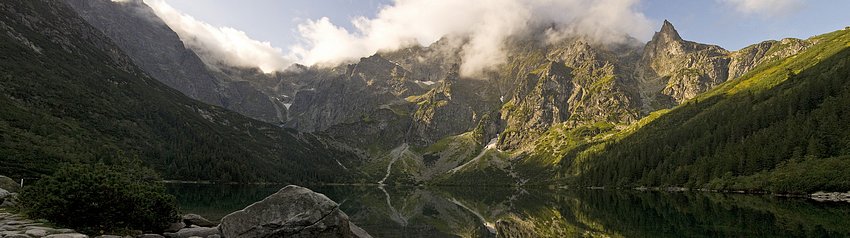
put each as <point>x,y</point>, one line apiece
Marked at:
<point>393,211</point>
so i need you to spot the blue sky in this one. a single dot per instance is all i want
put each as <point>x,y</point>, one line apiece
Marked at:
<point>709,21</point>
<point>706,21</point>
<point>276,21</point>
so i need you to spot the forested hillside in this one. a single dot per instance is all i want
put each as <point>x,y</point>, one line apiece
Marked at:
<point>69,95</point>
<point>781,127</point>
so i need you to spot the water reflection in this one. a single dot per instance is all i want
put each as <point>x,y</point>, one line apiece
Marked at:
<point>512,212</point>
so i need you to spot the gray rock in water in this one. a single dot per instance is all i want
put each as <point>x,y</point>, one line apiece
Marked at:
<point>195,219</point>
<point>190,232</point>
<point>291,212</point>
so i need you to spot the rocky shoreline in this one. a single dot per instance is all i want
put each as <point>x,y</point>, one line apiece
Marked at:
<point>818,196</point>
<point>16,226</point>
<point>291,212</point>
<point>831,197</point>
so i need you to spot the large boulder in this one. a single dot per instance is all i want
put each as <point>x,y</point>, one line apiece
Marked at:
<point>9,184</point>
<point>291,212</point>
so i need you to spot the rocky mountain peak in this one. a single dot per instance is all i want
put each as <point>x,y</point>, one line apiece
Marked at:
<point>668,33</point>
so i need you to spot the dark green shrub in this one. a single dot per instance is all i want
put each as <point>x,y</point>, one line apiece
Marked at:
<point>98,198</point>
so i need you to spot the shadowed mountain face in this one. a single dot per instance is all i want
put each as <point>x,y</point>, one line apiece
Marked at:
<point>157,50</point>
<point>68,94</point>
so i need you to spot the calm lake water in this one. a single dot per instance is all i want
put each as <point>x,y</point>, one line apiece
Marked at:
<point>478,212</point>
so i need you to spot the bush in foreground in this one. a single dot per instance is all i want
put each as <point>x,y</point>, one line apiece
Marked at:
<point>95,199</point>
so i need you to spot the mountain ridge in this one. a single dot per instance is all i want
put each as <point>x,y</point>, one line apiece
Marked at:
<point>70,95</point>
<point>158,50</point>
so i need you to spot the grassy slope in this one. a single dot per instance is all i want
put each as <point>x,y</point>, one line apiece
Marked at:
<point>73,97</point>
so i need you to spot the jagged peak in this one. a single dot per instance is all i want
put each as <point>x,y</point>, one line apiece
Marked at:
<point>668,32</point>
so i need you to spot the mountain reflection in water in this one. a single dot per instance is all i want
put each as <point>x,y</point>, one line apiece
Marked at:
<point>391,211</point>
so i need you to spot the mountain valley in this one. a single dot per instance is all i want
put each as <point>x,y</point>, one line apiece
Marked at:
<point>570,111</point>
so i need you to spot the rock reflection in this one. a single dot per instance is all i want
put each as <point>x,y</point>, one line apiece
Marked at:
<point>392,211</point>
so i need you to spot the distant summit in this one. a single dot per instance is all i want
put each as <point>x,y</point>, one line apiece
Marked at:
<point>668,32</point>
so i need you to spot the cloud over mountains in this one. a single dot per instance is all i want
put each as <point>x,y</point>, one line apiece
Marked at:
<point>483,25</point>
<point>221,45</point>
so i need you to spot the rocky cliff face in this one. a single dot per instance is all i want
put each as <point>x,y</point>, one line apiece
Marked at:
<point>578,83</point>
<point>454,106</point>
<point>376,102</point>
<point>415,96</point>
<point>428,64</point>
<point>154,47</point>
<point>349,93</point>
<point>746,59</point>
<point>673,70</point>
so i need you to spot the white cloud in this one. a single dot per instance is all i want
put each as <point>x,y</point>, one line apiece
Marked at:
<point>222,45</point>
<point>768,8</point>
<point>485,24</point>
